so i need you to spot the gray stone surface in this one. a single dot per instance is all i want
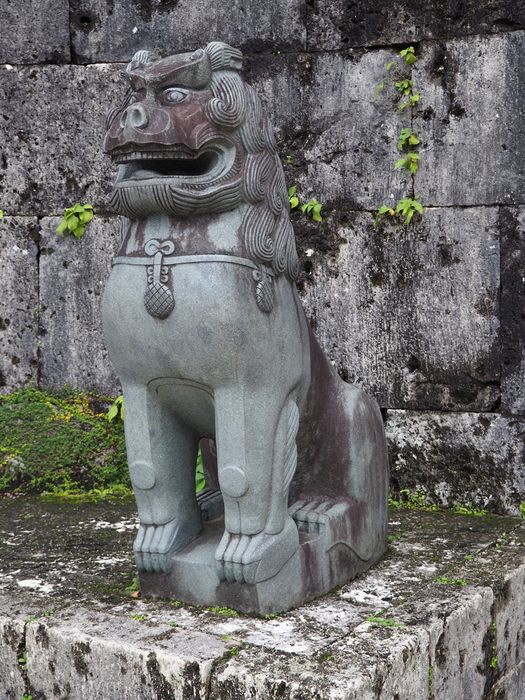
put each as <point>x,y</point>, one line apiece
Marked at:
<point>85,654</point>
<point>346,144</point>
<point>336,24</point>
<point>448,596</point>
<point>509,625</point>
<point>113,31</point>
<point>472,145</point>
<point>19,301</point>
<point>35,31</point>
<point>410,313</point>
<point>12,632</point>
<point>510,686</point>
<point>72,277</point>
<point>50,162</point>
<point>459,457</point>
<point>512,227</point>
<point>459,661</point>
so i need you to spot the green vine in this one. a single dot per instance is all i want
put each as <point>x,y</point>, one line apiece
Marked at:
<point>408,142</point>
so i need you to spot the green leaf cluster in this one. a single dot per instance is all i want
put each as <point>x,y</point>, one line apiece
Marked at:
<point>404,86</point>
<point>410,162</point>
<point>407,138</point>
<point>311,208</point>
<point>200,481</point>
<point>404,210</point>
<point>446,581</point>
<point>407,207</point>
<point>384,621</point>
<point>75,220</point>
<point>408,143</point>
<point>409,55</point>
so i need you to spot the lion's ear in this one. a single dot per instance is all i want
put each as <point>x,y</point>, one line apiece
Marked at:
<point>223,56</point>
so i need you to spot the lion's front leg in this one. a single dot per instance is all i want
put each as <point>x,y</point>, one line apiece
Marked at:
<point>161,453</point>
<point>255,467</point>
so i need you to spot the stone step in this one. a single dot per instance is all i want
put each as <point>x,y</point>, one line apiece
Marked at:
<point>440,616</point>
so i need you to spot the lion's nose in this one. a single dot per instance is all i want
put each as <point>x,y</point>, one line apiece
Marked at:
<point>135,115</point>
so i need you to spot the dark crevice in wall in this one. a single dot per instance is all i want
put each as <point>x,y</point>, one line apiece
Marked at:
<point>21,654</point>
<point>71,44</point>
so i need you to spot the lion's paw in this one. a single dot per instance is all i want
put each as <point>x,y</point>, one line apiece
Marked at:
<point>310,516</point>
<point>155,545</point>
<point>255,558</point>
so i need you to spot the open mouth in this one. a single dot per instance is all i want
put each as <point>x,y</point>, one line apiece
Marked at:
<point>207,163</point>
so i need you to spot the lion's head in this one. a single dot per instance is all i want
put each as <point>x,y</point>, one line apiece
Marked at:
<point>191,138</point>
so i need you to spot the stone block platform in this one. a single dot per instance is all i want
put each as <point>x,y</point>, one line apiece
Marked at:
<point>440,617</point>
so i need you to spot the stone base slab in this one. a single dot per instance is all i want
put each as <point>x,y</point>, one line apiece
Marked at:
<point>440,616</point>
<point>320,564</point>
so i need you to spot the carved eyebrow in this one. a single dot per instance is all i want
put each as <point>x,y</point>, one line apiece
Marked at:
<point>173,78</point>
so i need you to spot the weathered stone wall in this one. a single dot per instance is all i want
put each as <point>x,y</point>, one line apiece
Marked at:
<point>429,318</point>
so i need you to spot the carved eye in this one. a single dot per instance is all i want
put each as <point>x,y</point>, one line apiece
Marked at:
<point>174,95</point>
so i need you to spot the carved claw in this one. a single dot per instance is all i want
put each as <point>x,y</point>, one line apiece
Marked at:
<point>255,558</point>
<point>310,516</point>
<point>155,545</point>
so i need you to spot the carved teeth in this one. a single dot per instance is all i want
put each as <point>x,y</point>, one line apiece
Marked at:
<point>152,155</point>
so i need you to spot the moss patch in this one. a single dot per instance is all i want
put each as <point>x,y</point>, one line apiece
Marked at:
<point>62,444</point>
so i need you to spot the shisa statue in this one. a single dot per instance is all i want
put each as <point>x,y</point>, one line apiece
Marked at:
<point>208,336</point>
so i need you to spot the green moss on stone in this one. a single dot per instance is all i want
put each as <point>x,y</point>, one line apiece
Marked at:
<point>61,443</point>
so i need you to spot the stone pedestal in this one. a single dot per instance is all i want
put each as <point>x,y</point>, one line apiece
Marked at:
<point>322,562</point>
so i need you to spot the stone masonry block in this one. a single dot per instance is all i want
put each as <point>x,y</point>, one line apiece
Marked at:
<point>411,313</point>
<point>19,302</point>
<point>419,624</point>
<point>457,658</point>
<point>509,627</point>
<point>104,30</point>
<point>105,658</point>
<point>339,134</point>
<point>35,31</point>
<point>51,130</point>
<point>340,24</point>
<point>72,278</point>
<point>335,139</point>
<point>476,458</point>
<point>471,121</point>
<point>510,686</point>
<point>11,647</point>
<point>512,223</point>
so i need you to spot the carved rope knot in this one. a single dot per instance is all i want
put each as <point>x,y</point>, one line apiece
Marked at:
<point>154,246</point>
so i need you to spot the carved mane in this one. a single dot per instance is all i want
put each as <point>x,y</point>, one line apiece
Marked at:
<point>266,227</point>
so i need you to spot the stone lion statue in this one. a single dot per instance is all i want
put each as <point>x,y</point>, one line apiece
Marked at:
<point>206,331</point>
